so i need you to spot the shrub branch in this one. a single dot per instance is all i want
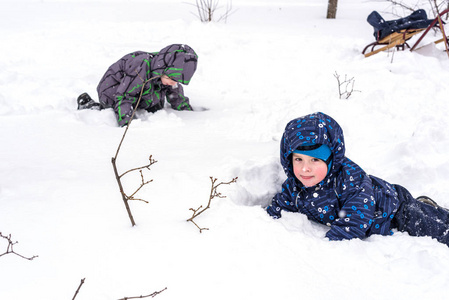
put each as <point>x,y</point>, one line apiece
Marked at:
<point>347,84</point>
<point>78,289</point>
<point>118,177</point>
<point>140,297</point>
<point>126,298</point>
<point>10,248</point>
<point>213,193</point>
<point>206,10</point>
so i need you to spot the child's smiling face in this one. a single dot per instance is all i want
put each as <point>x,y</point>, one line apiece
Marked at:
<point>309,170</point>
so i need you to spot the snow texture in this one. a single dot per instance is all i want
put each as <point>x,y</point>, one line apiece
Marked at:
<point>272,61</point>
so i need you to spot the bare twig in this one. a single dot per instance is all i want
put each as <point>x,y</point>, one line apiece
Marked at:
<point>348,86</point>
<point>438,6</point>
<point>206,10</point>
<point>78,289</point>
<point>134,112</point>
<point>140,297</point>
<point>152,161</point>
<point>143,182</point>
<point>213,193</point>
<point>10,248</point>
<point>447,7</point>
<point>138,189</point>
<point>118,177</point>
<point>227,13</point>
<point>401,4</point>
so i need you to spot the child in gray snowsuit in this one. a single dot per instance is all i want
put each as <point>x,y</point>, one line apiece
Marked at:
<point>121,85</point>
<point>330,189</point>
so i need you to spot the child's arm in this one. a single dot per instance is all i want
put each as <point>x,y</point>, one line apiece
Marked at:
<point>177,99</point>
<point>132,70</point>
<point>356,215</point>
<point>129,90</point>
<point>123,105</point>
<point>285,200</point>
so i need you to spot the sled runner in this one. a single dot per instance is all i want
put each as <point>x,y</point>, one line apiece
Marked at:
<point>396,33</point>
<point>396,39</point>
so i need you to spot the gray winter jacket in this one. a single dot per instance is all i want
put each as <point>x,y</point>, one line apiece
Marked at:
<point>121,85</point>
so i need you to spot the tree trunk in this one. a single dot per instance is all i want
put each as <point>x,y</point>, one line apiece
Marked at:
<point>332,9</point>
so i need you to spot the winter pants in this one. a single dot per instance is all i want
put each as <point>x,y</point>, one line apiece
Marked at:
<point>421,219</point>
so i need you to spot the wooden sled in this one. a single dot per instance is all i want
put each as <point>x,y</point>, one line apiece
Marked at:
<point>399,39</point>
<point>396,39</point>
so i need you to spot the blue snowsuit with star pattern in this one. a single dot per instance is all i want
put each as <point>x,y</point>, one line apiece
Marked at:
<point>352,203</point>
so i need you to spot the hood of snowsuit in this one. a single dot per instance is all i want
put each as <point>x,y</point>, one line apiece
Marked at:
<point>177,61</point>
<point>316,128</point>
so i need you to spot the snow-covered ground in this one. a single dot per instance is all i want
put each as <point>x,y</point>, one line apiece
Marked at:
<point>272,61</point>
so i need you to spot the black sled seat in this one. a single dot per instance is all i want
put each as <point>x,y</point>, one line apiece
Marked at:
<point>395,33</point>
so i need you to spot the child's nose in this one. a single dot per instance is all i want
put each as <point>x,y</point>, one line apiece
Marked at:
<point>306,167</point>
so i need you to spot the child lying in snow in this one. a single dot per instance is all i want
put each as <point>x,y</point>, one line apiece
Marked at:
<point>121,85</point>
<point>330,189</point>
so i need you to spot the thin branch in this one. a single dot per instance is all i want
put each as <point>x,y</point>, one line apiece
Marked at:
<point>125,198</point>
<point>213,193</point>
<point>10,248</point>
<point>134,112</point>
<point>206,10</point>
<point>138,189</point>
<point>394,2</point>
<point>194,223</point>
<point>227,13</point>
<point>78,289</point>
<point>152,161</point>
<point>140,297</point>
<point>447,7</point>
<point>348,84</point>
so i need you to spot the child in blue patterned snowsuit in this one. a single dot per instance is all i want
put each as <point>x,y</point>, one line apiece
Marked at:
<point>331,189</point>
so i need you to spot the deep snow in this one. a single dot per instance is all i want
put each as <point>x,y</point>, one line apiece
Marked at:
<point>270,63</point>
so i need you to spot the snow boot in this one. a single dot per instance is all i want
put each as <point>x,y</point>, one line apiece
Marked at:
<point>427,200</point>
<point>421,216</point>
<point>86,102</point>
